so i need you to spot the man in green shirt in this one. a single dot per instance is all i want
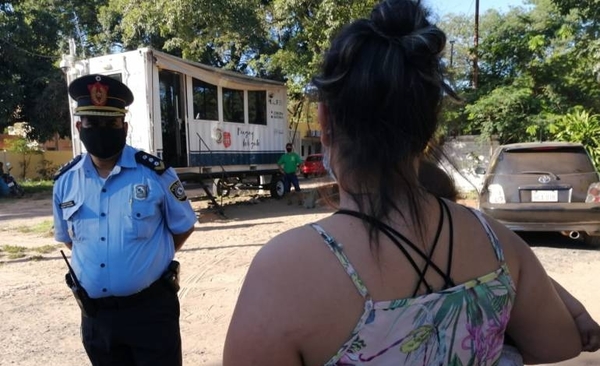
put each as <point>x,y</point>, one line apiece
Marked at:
<point>288,164</point>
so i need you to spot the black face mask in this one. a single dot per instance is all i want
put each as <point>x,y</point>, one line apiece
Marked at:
<point>288,150</point>
<point>103,142</point>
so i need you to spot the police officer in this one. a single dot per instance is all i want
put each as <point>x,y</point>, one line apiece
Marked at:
<point>124,215</point>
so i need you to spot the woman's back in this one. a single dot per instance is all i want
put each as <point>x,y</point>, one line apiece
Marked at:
<point>460,323</point>
<point>316,276</point>
<point>380,89</point>
<point>307,300</point>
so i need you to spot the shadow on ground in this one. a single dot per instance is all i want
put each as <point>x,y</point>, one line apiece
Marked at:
<point>554,240</point>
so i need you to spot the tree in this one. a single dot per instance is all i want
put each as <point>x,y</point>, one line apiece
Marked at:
<point>535,66</point>
<point>26,149</point>
<point>589,9</point>
<point>581,126</point>
<point>226,34</point>
<point>33,86</point>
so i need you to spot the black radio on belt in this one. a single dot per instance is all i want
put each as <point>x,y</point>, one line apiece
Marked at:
<point>171,276</point>
<point>88,308</point>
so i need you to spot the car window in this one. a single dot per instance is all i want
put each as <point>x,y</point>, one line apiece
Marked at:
<point>555,160</point>
<point>313,158</point>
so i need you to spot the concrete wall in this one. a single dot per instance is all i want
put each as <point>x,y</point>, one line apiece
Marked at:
<point>57,158</point>
<point>467,153</point>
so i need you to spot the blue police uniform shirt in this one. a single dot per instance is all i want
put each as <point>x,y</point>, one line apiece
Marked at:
<point>121,227</point>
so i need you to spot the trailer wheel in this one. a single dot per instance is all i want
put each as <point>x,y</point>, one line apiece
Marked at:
<point>277,187</point>
<point>223,188</point>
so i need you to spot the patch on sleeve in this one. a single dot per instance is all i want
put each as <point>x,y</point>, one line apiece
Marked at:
<point>177,190</point>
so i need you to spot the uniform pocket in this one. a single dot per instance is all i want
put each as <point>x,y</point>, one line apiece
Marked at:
<point>144,218</point>
<point>70,215</point>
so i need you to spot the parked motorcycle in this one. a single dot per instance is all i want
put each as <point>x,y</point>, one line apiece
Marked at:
<point>14,188</point>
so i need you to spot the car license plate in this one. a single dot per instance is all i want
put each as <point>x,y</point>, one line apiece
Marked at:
<point>544,196</point>
<point>11,184</point>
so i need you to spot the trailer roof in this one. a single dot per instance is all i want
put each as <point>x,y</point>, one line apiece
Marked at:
<point>239,77</point>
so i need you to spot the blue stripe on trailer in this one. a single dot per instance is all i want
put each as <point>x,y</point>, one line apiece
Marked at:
<point>233,158</point>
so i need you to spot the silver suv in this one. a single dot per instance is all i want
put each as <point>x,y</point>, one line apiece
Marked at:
<point>544,186</point>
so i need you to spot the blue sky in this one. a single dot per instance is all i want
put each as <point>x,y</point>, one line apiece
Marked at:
<point>442,7</point>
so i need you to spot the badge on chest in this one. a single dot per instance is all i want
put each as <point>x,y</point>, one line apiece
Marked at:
<point>140,192</point>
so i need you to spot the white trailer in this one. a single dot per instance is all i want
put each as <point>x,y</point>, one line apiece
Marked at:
<point>214,126</point>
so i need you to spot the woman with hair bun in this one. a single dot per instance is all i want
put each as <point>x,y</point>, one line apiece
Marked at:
<point>396,276</point>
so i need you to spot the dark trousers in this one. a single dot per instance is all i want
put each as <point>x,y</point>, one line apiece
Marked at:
<point>139,333</point>
<point>290,179</point>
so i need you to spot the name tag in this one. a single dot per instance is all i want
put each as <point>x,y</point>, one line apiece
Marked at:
<point>67,204</point>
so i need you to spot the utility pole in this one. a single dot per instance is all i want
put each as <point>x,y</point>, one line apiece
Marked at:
<point>475,46</point>
<point>452,52</point>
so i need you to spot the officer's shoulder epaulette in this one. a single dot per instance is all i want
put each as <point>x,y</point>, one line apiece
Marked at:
<point>151,162</point>
<point>63,169</point>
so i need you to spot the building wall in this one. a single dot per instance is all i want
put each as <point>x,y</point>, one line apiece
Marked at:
<point>54,144</point>
<point>309,131</point>
<point>56,158</point>
<point>56,151</point>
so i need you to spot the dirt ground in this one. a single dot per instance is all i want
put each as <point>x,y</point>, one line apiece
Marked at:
<point>40,319</point>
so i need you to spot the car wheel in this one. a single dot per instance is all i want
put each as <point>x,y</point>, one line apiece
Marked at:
<point>305,175</point>
<point>592,241</point>
<point>277,187</point>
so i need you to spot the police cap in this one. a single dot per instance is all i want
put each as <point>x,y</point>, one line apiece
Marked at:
<point>100,95</point>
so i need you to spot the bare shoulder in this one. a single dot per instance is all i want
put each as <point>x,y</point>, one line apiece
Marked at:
<point>289,251</point>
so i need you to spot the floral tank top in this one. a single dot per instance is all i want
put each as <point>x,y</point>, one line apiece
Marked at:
<point>457,326</point>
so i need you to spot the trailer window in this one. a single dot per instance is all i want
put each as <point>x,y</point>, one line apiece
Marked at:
<point>257,107</point>
<point>233,105</point>
<point>205,100</point>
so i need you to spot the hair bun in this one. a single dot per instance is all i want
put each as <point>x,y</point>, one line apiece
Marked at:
<point>405,22</point>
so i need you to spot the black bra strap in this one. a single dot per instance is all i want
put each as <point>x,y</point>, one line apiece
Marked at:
<point>422,279</point>
<point>383,229</point>
<point>394,234</point>
<point>448,278</point>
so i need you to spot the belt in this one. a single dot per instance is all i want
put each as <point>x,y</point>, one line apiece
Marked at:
<point>157,288</point>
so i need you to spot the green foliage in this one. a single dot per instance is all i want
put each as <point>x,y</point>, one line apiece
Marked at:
<point>30,32</point>
<point>535,63</point>
<point>583,127</point>
<point>26,149</point>
<point>41,188</point>
<point>304,30</point>
<point>13,251</point>
<point>505,112</point>
<point>44,227</point>
<point>46,169</point>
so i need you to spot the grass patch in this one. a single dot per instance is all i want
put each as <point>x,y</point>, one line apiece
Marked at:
<point>13,251</point>
<point>44,227</point>
<point>37,186</point>
<point>46,248</point>
<point>16,252</point>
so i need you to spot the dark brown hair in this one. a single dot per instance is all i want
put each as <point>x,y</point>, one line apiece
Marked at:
<point>383,84</point>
